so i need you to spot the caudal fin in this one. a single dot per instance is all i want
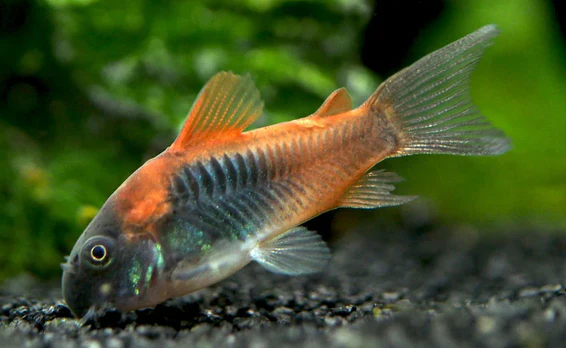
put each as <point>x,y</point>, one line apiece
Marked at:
<point>429,107</point>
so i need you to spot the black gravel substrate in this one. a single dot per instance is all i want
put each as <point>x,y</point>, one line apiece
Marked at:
<point>387,289</point>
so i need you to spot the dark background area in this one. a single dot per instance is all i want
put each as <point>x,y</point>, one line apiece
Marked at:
<point>90,89</point>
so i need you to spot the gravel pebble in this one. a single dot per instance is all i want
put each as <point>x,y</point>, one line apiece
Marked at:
<point>410,290</point>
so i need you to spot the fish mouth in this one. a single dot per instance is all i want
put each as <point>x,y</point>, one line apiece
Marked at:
<point>73,287</point>
<point>81,312</point>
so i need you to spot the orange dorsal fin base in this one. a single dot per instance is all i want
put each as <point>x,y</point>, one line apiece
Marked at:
<point>338,102</point>
<point>225,106</point>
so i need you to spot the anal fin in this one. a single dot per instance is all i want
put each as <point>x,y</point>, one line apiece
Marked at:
<point>297,251</point>
<point>373,190</point>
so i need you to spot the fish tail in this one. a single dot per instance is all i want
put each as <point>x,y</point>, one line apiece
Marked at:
<point>427,107</point>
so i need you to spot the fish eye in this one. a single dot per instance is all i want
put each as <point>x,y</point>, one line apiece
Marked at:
<point>97,251</point>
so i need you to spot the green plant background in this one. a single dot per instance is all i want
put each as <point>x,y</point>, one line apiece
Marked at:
<point>104,85</point>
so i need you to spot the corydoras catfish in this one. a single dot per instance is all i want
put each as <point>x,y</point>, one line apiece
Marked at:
<point>220,197</point>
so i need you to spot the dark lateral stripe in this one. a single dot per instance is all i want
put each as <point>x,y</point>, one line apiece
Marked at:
<point>244,211</point>
<point>289,147</point>
<point>254,208</point>
<point>202,223</point>
<point>262,197</point>
<point>301,144</point>
<point>236,213</point>
<point>230,224</point>
<point>206,182</point>
<point>262,165</point>
<point>251,167</point>
<point>280,169</point>
<point>285,196</point>
<point>249,209</point>
<point>208,216</point>
<point>271,156</point>
<point>218,175</point>
<point>184,186</point>
<point>272,198</point>
<point>298,192</point>
<point>231,173</point>
<point>334,136</point>
<point>242,170</point>
<point>215,178</point>
<point>192,182</point>
<point>180,187</point>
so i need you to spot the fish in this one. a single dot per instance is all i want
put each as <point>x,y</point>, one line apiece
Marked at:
<point>221,196</point>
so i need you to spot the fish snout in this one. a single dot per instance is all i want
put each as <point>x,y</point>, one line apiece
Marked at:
<point>76,291</point>
<point>80,291</point>
<point>73,292</point>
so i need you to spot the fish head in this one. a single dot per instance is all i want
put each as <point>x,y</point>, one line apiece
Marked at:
<point>108,267</point>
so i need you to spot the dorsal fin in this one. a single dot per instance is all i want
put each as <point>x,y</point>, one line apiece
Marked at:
<point>373,190</point>
<point>225,106</point>
<point>337,102</point>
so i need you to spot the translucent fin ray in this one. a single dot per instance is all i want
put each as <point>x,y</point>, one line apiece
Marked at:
<point>225,106</point>
<point>297,251</point>
<point>373,190</point>
<point>429,104</point>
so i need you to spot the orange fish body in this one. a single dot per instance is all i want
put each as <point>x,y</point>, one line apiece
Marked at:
<point>220,197</point>
<point>344,145</point>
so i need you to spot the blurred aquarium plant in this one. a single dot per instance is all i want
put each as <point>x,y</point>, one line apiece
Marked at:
<point>91,88</point>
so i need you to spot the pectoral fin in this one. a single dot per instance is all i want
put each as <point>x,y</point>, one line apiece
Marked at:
<point>297,251</point>
<point>224,259</point>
